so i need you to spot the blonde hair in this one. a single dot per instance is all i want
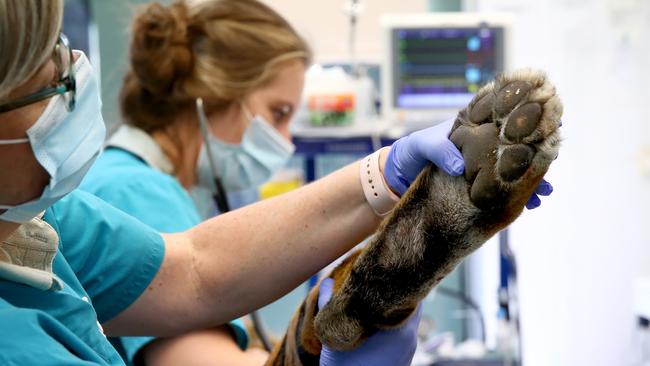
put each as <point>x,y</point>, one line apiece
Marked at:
<point>29,30</point>
<point>219,50</point>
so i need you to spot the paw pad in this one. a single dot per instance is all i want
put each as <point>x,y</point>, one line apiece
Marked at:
<point>510,95</point>
<point>514,162</point>
<point>522,122</point>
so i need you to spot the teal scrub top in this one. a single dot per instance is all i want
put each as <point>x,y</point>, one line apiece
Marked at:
<point>105,260</point>
<point>157,199</point>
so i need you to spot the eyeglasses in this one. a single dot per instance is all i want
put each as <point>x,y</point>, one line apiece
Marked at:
<point>66,85</point>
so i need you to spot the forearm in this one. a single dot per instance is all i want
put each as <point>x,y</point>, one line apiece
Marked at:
<point>248,258</point>
<point>245,259</point>
<point>213,347</point>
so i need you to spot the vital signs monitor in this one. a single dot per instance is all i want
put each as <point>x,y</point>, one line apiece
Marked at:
<point>434,63</point>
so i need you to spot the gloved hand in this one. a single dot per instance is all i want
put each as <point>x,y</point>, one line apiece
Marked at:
<point>410,154</point>
<point>543,189</point>
<point>394,347</point>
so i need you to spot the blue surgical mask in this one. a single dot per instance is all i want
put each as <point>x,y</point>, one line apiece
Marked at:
<point>262,152</point>
<point>64,143</point>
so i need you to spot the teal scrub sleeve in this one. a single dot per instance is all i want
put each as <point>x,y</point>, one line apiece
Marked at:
<point>156,199</point>
<point>114,255</point>
<point>32,337</point>
<point>241,335</point>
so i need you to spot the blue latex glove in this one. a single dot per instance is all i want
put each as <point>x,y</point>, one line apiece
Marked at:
<point>410,154</point>
<point>394,347</point>
<point>543,189</point>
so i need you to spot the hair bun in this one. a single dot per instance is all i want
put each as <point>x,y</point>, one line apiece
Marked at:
<point>160,52</point>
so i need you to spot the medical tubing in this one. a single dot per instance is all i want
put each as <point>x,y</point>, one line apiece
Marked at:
<point>220,195</point>
<point>259,329</point>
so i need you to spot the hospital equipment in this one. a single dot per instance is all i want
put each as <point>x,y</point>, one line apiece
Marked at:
<point>333,97</point>
<point>339,99</point>
<point>434,63</point>
<point>353,9</point>
<point>219,194</point>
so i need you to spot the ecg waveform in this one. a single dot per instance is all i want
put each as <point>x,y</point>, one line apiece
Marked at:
<point>437,66</point>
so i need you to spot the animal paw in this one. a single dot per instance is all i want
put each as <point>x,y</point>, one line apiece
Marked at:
<point>508,136</point>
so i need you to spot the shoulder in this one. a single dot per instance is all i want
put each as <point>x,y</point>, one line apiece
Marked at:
<point>79,202</point>
<point>86,221</point>
<point>113,254</point>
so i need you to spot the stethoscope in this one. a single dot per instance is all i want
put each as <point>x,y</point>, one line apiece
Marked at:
<point>220,194</point>
<point>221,201</point>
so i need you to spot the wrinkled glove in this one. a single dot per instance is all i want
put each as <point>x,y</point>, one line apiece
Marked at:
<point>410,154</point>
<point>394,347</point>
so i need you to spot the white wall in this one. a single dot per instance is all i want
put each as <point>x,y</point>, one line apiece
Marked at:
<point>579,253</point>
<point>325,26</point>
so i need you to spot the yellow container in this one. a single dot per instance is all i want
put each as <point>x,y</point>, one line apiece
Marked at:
<point>283,182</point>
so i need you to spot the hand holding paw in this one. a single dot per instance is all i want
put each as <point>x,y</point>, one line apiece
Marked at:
<point>394,347</point>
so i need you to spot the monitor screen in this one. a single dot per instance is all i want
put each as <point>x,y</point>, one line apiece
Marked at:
<point>443,67</point>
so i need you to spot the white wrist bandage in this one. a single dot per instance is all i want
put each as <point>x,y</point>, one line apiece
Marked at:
<point>379,196</point>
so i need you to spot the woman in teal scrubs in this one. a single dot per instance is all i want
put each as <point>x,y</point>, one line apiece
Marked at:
<point>151,164</point>
<point>74,269</point>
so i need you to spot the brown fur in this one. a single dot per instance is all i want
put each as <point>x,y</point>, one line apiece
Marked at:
<point>508,136</point>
